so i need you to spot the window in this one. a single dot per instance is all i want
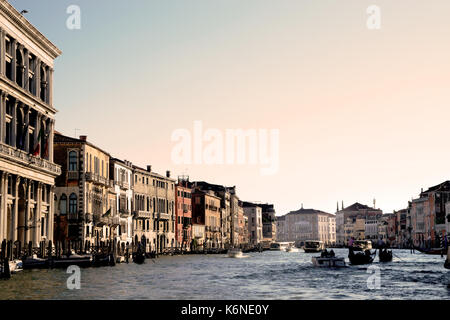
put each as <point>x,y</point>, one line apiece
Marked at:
<point>73,203</point>
<point>73,161</point>
<point>63,204</point>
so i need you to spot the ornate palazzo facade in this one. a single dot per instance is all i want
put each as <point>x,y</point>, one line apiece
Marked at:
<point>27,118</point>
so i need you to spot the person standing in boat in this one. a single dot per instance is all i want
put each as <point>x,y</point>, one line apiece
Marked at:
<point>350,242</point>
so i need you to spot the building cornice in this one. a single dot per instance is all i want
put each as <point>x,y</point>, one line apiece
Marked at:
<point>28,29</point>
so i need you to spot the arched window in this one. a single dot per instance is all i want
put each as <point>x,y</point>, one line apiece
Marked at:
<point>73,160</point>
<point>63,204</point>
<point>73,203</point>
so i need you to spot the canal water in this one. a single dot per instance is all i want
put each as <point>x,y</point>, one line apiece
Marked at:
<point>267,275</point>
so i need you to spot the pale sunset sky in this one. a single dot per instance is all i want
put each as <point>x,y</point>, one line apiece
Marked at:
<point>362,114</point>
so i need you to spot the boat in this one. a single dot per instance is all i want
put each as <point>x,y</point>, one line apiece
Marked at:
<point>235,253</point>
<point>13,266</point>
<point>362,245</point>
<point>433,251</point>
<point>292,248</point>
<point>447,261</point>
<point>385,255</point>
<point>103,260</point>
<point>313,246</point>
<point>361,257</point>
<point>34,262</point>
<point>138,257</point>
<point>64,261</point>
<point>279,246</point>
<point>329,260</point>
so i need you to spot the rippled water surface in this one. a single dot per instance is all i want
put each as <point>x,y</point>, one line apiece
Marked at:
<point>267,275</point>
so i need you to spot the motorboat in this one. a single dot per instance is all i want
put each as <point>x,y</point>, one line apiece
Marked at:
<point>385,255</point>
<point>361,257</point>
<point>292,248</point>
<point>235,253</point>
<point>14,266</point>
<point>328,262</point>
<point>433,251</point>
<point>313,246</point>
<point>279,246</point>
<point>362,245</point>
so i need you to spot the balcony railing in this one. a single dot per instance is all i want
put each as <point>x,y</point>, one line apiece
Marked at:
<point>72,216</point>
<point>164,216</point>
<point>72,175</point>
<point>142,214</point>
<point>92,177</point>
<point>28,160</point>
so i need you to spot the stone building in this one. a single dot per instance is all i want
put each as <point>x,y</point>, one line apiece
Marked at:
<point>306,224</point>
<point>154,208</point>
<point>242,228</point>
<point>183,222</point>
<point>121,176</point>
<point>255,226</point>
<point>269,223</point>
<point>84,209</point>
<point>27,119</point>
<point>357,214</point>
<point>206,211</point>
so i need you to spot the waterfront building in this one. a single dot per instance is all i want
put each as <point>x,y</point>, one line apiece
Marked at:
<point>154,209</point>
<point>254,214</point>
<point>402,227</point>
<point>121,175</point>
<point>242,237</point>
<point>143,211</point>
<point>27,120</point>
<point>357,213</point>
<point>84,209</point>
<point>269,223</point>
<point>306,224</point>
<point>371,226</point>
<point>206,211</point>
<point>332,229</point>
<point>183,219</point>
<point>236,220</point>
<point>198,236</point>
<point>428,214</point>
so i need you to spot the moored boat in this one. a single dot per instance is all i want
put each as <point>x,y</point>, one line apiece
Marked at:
<point>433,251</point>
<point>138,257</point>
<point>34,262</point>
<point>358,258</point>
<point>64,261</point>
<point>11,267</point>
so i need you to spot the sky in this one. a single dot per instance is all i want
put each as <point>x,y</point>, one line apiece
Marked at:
<point>362,114</point>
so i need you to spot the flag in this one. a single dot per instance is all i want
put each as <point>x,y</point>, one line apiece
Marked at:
<point>37,148</point>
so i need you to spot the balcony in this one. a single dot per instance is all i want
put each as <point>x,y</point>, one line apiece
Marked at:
<point>122,184</point>
<point>72,216</point>
<point>95,178</point>
<point>72,175</point>
<point>142,214</point>
<point>28,160</point>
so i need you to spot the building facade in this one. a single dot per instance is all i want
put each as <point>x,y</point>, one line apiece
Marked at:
<point>255,224</point>
<point>183,219</point>
<point>206,211</point>
<point>27,120</point>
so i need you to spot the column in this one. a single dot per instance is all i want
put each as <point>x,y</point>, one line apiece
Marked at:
<point>36,131</point>
<point>14,124</point>
<point>50,86</point>
<point>37,216</point>
<point>26,78</point>
<point>2,116</point>
<point>15,211</point>
<point>37,76</point>
<point>50,139</point>
<point>27,135</point>
<point>2,51</point>
<point>4,204</point>
<point>27,213</point>
<point>2,201</point>
<point>51,213</point>
<point>14,60</point>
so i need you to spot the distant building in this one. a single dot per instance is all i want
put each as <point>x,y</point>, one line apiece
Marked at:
<point>183,220</point>
<point>206,212</point>
<point>306,224</point>
<point>269,223</point>
<point>356,214</point>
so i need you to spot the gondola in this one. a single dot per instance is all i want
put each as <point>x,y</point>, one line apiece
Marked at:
<point>434,251</point>
<point>138,257</point>
<point>34,262</point>
<point>359,258</point>
<point>385,255</point>
<point>447,264</point>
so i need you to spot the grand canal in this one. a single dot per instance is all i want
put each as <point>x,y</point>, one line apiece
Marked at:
<point>267,275</point>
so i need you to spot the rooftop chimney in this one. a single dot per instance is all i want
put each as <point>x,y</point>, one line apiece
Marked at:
<point>168,174</point>
<point>83,138</point>
<point>149,168</point>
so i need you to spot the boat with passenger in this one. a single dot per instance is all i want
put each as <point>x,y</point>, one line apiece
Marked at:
<point>361,257</point>
<point>313,246</point>
<point>362,245</point>
<point>385,255</point>
<point>328,260</point>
